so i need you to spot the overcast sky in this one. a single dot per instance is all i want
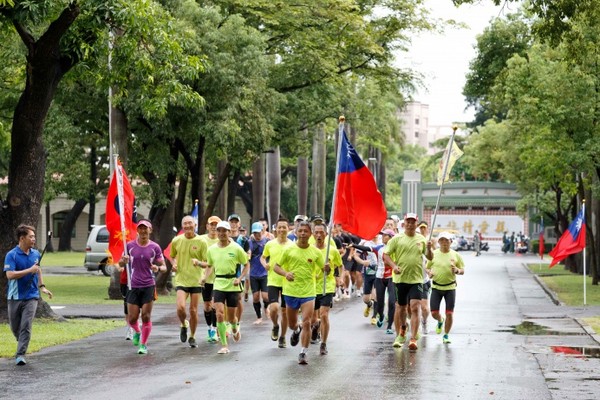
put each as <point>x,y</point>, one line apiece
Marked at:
<point>444,58</point>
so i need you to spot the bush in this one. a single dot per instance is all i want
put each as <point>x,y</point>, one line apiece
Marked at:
<point>535,247</point>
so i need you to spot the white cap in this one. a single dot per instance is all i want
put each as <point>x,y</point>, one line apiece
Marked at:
<point>224,224</point>
<point>446,235</point>
<point>411,215</point>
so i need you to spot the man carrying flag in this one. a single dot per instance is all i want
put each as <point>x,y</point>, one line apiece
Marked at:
<point>572,241</point>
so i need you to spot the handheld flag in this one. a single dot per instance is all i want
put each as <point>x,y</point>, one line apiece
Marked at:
<point>572,241</point>
<point>194,215</point>
<point>448,161</point>
<point>542,249</point>
<point>120,214</point>
<point>358,205</point>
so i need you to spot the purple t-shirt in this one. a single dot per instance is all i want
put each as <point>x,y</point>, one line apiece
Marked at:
<point>141,259</point>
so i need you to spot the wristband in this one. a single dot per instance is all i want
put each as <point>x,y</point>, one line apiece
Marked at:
<point>42,286</point>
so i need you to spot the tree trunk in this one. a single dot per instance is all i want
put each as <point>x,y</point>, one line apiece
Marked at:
<point>319,180</point>
<point>64,243</point>
<point>93,180</point>
<point>382,174</point>
<point>231,192</point>
<point>302,182</point>
<point>50,247</point>
<point>221,209</point>
<point>258,188</point>
<point>273,186</point>
<point>45,68</point>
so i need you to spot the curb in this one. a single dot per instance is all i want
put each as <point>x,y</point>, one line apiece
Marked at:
<point>588,329</point>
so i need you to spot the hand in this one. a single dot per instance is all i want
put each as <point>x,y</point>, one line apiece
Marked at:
<point>124,261</point>
<point>236,282</point>
<point>429,244</point>
<point>289,276</point>
<point>174,268</point>
<point>326,269</point>
<point>396,269</point>
<point>46,291</point>
<point>35,268</point>
<point>195,262</point>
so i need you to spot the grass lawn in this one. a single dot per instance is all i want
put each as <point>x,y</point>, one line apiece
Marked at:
<point>63,259</point>
<point>47,333</point>
<point>568,286</point>
<point>594,322</point>
<point>85,289</point>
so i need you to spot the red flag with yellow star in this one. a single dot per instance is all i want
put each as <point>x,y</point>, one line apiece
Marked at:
<point>120,213</point>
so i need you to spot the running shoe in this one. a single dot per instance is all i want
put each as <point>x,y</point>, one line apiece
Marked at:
<point>136,338</point>
<point>142,349</point>
<point>389,331</point>
<point>295,338</point>
<point>228,331</point>
<point>212,335</point>
<point>399,341</point>
<point>20,360</point>
<point>183,332</point>
<point>282,344</point>
<point>438,327</point>
<point>367,309</point>
<point>314,334</point>
<point>323,350</point>
<point>192,342</point>
<point>379,323</point>
<point>412,345</point>
<point>246,297</point>
<point>129,334</point>
<point>374,321</point>
<point>275,333</point>
<point>224,350</point>
<point>237,335</point>
<point>446,339</point>
<point>302,359</point>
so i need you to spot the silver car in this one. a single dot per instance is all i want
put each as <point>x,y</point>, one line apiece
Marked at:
<point>96,250</point>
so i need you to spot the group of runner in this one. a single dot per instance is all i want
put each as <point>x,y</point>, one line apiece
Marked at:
<point>297,274</point>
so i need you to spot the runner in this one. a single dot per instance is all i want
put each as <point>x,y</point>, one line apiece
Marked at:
<point>383,283</point>
<point>210,315</point>
<point>224,259</point>
<point>423,229</point>
<point>404,252</point>
<point>297,264</point>
<point>271,254</point>
<point>366,256</point>
<point>443,268</point>
<point>146,259</point>
<point>188,253</point>
<point>324,302</point>
<point>258,274</point>
<point>241,239</point>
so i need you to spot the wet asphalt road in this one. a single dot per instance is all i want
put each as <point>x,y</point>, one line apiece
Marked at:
<point>486,359</point>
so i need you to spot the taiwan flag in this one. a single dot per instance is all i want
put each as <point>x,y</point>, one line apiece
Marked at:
<point>572,241</point>
<point>120,213</point>
<point>358,205</point>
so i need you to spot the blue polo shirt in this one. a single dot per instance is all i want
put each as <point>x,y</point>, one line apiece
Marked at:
<point>26,287</point>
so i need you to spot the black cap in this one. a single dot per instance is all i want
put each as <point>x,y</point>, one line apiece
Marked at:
<point>317,217</point>
<point>234,216</point>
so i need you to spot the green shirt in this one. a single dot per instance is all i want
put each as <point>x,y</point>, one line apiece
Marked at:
<point>442,269</point>
<point>303,263</point>
<point>335,261</point>
<point>272,253</point>
<point>224,261</point>
<point>407,252</point>
<point>209,242</point>
<point>183,250</point>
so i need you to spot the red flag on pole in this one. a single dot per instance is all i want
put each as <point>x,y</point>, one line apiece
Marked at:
<point>358,205</point>
<point>114,216</point>
<point>572,241</point>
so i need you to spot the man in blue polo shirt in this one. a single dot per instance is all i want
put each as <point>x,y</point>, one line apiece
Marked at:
<point>22,267</point>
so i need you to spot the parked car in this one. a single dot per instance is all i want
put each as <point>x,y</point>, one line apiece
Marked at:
<point>96,250</point>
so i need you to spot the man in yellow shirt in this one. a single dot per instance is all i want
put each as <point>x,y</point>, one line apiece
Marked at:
<point>298,264</point>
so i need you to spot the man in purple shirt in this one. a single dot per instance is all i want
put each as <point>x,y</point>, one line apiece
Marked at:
<point>145,258</point>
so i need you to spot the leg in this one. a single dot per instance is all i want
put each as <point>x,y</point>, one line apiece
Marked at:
<point>414,319</point>
<point>391,302</point>
<point>181,313</point>
<point>220,310</point>
<point>324,323</point>
<point>194,300</point>
<point>307,310</point>
<point>26,310</point>
<point>133,311</point>
<point>146,321</point>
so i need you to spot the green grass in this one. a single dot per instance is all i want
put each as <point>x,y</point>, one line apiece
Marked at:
<point>594,322</point>
<point>567,286</point>
<point>63,259</point>
<point>85,289</point>
<point>46,333</point>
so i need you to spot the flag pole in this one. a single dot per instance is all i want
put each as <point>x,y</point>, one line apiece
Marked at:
<point>341,120</point>
<point>119,176</point>
<point>584,266</point>
<point>437,202</point>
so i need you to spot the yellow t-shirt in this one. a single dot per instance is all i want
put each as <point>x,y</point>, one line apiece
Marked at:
<point>335,261</point>
<point>272,253</point>
<point>209,242</point>
<point>407,252</point>
<point>224,261</point>
<point>303,264</point>
<point>183,250</point>
<point>442,269</point>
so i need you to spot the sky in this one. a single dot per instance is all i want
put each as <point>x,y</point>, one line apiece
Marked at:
<point>443,59</point>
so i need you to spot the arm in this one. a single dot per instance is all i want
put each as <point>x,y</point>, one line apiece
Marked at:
<point>388,260</point>
<point>24,272</point>
<point>280,271</point>
<point>237,281</point>
<point>429,253</point>
<point>41,283</point>
<point>264,263</point>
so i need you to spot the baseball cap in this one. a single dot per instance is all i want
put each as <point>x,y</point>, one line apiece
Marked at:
<point>395,218</point>
<point>300,217</point>
<point>257,227</point>
<point>223,224</point>
<point>214,218</point>
<point>243,228</point>
<point>388,232</point>
<point>234,216</point>
<point>317,217</point>
<point>422,223</point>
<point>411,215</point>
<point>445,235</point>
<point>144,222</point>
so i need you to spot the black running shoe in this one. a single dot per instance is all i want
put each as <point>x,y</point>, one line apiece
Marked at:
<point>295,337</point>
<point>314,335</point>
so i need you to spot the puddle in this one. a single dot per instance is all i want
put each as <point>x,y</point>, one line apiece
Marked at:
<point>579,352</point>
<point>531,328</point>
